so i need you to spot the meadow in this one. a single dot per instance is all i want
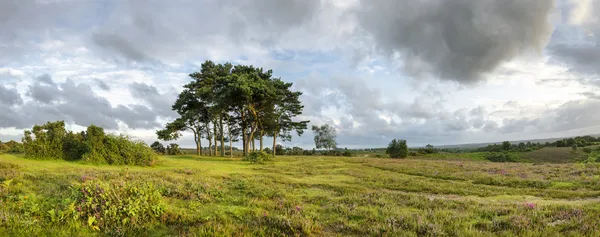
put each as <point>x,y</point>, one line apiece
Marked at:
<point>299,196</point>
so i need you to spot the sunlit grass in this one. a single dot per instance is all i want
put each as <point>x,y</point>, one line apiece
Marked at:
<point>316,196</point>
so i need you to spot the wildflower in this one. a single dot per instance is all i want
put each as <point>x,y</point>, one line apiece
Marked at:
<point>265,214</point>
<point>298,208</point>
<point>25,197</point>
<point>530,205</point>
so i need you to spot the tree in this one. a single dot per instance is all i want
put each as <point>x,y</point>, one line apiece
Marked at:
<point>173,149</point>
<point>397,149</point>
<point>506,145</point>
<point>325,136</point>
<point>158,147</point>
<point>287,106</point>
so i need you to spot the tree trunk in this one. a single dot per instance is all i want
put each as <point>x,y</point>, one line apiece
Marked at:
<point>253,144</point>
<point>196,141</point>
<point>261,140</point>
<point>251,138</point>
<point>215,135</point>
<point>274,143</point>
<point>230,138</point>
<point>199,142</point>
<point>222,137</point>
<point>244,140</point>
<point>208,137</point>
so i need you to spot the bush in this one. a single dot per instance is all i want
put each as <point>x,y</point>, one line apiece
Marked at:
<point>397,149</point>
<point>52,141</point>
<point>501,157</point>
<point>173,149</point>
<point>347,153</point>
<point>117,208</point>
<point>158,148</point>
<point>587,150</point>
<point>259,157</point>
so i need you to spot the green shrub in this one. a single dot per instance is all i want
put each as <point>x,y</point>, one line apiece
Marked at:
<point>173,149</point>
<point>117,208</point>
<point>52,141</point>
<point>501,157</point>
<point>587,150</point>
<point>259,157</point>
<point>397,149</point>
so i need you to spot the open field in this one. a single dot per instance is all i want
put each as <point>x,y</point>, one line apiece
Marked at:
<point>299,196</point>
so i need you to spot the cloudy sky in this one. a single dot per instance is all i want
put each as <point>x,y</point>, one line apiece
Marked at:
<point>429,71</point>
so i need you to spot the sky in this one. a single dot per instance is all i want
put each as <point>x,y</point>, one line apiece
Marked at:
<point>429,71</point>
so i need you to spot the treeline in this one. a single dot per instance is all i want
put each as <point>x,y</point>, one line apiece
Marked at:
<point>224,102</point>
<point>11,147</point>
<point>574,142</point>
<point>298,151</point>
<point>53,141</point>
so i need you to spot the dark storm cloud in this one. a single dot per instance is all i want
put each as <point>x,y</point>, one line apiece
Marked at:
<point>458,40</point>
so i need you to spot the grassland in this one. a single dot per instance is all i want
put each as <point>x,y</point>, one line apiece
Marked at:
<point>299,196</point>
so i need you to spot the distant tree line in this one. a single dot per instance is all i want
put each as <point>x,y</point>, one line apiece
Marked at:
<point>53,141</point>
<point>11,147</point>
<point>224,102</point>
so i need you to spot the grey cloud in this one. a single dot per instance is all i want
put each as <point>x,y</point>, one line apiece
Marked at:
<point>9,96</point>
<point>117,44</point>
<point>457,40</point>
<point>137,33</point>
<point>160,103</point>
<point>74,103</point>
<point>102,85</point>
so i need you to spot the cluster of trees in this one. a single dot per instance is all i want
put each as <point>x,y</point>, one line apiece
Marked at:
<point>224,102</point>
<point>298,151</point>
<point>582,141</point>
<point>53,141</point>
<point>171,149</point>
<point>574,142</point>
<point>11,147</point>
<point>397,149</point>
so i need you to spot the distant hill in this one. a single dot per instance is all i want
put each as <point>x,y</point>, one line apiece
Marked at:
<point>476,145</point>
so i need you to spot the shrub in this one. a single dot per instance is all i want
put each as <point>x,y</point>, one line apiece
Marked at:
<point>587,150</point>
<point>347,153</point>
<point>173,149</point>
<point>501,157</point>
<point>117,208</point>
<point>158,147</point>
<point>397,149</point>
<point>259,157</point>
<point>52,141</point>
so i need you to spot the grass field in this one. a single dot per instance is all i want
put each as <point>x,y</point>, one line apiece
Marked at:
<point>299,196</point>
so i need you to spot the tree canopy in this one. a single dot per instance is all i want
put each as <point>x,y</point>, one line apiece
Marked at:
<point>325,136</point>
<point>224,102</point>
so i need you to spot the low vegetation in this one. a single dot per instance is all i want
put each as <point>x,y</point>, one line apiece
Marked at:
<point>52,141</point>
<point>298,196</point>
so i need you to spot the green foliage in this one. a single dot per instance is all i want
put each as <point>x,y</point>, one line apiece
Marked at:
<point>117,208</point>
<point>92,146</point>
<point>501,157</point>
<point>587,150</point>
<point>247,100</point>
<point>173,149</point>
<point>11,147</point>
<point>158,147</point>
<point>259,157</point>
<point>397,149</point>
<point>506,145</point>
<point>325,136</point>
